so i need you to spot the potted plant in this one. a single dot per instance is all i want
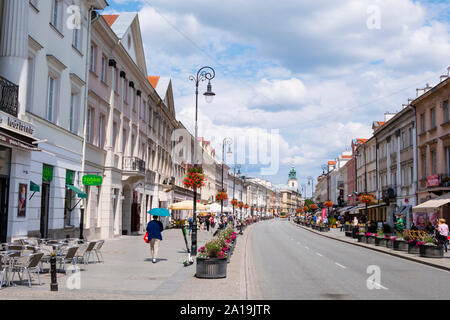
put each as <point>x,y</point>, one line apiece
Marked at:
<point>211,261</point>
<point>413,246</point>
<point>429,249</point>
<point>371,237</point>
<point>399,243</point>
<point>380,239</point>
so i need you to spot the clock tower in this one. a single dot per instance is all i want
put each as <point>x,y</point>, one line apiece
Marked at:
<point>293,182</point>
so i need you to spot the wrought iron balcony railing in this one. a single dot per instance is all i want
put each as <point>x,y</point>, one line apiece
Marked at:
<point>133,164</point>
<point>9,97</point>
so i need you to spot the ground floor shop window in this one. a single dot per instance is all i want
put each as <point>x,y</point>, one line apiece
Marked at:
<point>68,199</point>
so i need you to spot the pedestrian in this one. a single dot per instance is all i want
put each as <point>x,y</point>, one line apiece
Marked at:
<point>442,229</point>
<point>191,222</point>
<point>355,227</point>
<point>154,229</point>
<point>207,223</point>
<point>342,223</point>
<point>213,223</point>
<point>399,224</point>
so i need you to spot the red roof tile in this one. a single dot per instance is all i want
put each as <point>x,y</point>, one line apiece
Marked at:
<point>153,80</point>
<point>110,19</point>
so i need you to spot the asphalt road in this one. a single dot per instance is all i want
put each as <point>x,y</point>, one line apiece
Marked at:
<point>293,263</point>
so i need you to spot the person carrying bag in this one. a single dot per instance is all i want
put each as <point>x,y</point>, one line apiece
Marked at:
<point>154,237</point>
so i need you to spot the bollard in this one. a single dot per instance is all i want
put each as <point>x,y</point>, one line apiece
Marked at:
<point>54,283</point>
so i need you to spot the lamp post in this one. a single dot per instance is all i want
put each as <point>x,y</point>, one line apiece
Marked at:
<point>226,141</point>
<point>203,74</point>
<point>234,181</point>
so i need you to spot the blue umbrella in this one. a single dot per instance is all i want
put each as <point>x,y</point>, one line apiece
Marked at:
<point>160,212</point>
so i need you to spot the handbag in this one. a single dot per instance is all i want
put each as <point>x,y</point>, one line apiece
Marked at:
<point>146,238</point>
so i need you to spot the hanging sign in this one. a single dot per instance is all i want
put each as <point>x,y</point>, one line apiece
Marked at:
<point>92,180</point>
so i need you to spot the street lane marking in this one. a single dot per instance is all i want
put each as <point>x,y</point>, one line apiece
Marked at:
<point>340,265</point>
<point>319,254</point>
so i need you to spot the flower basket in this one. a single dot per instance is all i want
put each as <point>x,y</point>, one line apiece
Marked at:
<point>328,204</point>
<point>234,202</point>
<point>194,178</point>
<point>413,247</point>
<point>212,268</point>
<point>221,196</point>
<point>431,251</point>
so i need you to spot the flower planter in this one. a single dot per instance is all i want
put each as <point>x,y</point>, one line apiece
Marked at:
<point>389,243</point>
<point>431,251</point>
<point>380,242</point>
<point>371,240</point>
<point>413,248</point>
<point>348,234</point>
<point>211,268</point>
<point>400,245</point>
<point>361,237</point>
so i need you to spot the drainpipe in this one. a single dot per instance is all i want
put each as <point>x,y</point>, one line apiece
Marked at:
<point>86,92</point>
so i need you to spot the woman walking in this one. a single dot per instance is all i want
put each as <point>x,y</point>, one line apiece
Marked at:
<point>154,229</point>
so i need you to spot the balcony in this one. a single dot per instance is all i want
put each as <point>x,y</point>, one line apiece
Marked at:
<point>133,164</point>
<point>9,97</point>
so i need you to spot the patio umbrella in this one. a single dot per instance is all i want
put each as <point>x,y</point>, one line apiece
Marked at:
<point>160,212</point>
<point>187,205</point>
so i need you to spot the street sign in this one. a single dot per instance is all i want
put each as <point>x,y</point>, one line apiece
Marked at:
<point>92,180</point>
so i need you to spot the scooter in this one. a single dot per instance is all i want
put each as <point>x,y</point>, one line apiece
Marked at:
<point>189,261</point>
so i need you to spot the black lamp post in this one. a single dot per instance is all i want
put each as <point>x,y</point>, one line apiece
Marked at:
<point>234,181</point>
<point>203,74</point>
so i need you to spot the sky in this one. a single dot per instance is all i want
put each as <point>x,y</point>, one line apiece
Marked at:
<point>310,76</point>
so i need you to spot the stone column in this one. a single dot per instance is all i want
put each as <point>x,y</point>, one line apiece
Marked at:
<point>14,46</point>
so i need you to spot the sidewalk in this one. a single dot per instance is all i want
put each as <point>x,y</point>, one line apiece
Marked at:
<point>128,273</point>
<point>443,263</point>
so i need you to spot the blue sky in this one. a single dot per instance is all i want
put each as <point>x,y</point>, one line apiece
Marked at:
<point>319,71</point>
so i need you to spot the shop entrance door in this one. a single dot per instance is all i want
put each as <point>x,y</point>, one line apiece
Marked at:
<point>4,192</point>
<point>135,217</point>
<point>45,209</point>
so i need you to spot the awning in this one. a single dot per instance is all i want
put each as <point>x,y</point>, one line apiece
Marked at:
<point>377,206</point>
<point>433,204</point>
<point>10,141</point>
<point>355,210</point>
<point>344,209</point>
<point>79,193</point>
<point>34,187</point>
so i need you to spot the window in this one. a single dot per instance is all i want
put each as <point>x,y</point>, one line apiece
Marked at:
<point>74,103</point>
<point>104,68</point>
<point>424,166</point>
<point>411,175</point>
<point>115,80</point>
<point>114,137</point>
<point>77,38</point>
<point>100,131</point>
<point>410,136</point>
<point>89,125</point>
<point>124,90</point>
<point>434,162</point>
<point>403,140</point>
<point>30,81</point>
<point>445,110</point>
<point>92,59</point>
<point>133,97</point>
<point>433,118</point>
<point>51,99</point>
<point>423,127</point>
<point>55,18</point>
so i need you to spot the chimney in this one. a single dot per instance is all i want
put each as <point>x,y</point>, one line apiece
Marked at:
<point>388,116</point>
<point>419,92</point>
<point>428,87</point>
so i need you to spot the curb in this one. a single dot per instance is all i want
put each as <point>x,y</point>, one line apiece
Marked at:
<point>378,250</point>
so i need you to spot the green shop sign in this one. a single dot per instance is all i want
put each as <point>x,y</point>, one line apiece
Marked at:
<point>47,173</point>
<point>92,180</point>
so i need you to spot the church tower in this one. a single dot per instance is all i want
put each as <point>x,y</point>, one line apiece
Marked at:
<point>293,182</point>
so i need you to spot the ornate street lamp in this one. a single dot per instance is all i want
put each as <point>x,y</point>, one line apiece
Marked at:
<point>226,141</point>
<point>203,74</point>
